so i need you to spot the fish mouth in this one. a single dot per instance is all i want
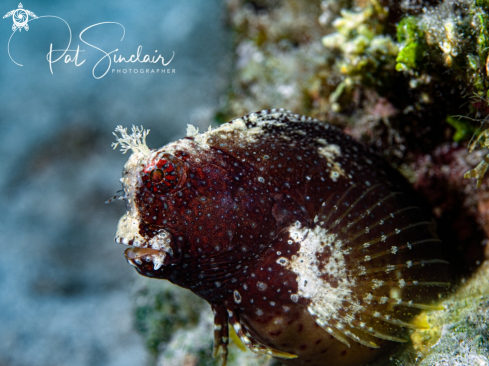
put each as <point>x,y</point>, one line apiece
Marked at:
<point>155,252</point>
<point>144,251</point>
<point>143,258</point>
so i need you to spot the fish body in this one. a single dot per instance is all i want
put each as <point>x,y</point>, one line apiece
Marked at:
<point>303,240</point>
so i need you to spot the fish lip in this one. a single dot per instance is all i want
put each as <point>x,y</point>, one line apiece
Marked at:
<point>134,253</point>
<point>137,246</point>
<point>131,242</point>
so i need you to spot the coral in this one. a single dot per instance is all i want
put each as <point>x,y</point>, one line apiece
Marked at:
<point>367,55</point>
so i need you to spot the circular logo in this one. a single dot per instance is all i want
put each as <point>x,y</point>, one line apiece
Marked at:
<point>20,18</point>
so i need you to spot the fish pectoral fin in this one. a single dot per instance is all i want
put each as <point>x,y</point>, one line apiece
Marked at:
<point>234,337</point>
<point>277,353</point>
<point>221,333</point>
<point>260,349</point>
<point>252,344</point>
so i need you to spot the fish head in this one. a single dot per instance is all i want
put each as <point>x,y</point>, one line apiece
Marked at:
<point>149,176</point>
<point>156,176</point>
<point>182,206</point>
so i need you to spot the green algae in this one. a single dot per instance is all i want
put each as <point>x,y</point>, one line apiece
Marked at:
<point>412,47</point>
<point>366,54</point>
<point>464,129</point>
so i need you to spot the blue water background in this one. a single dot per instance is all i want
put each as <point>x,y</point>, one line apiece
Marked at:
<point>64,284</point>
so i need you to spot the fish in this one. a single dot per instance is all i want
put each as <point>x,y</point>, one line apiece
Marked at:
<point>306,242</point>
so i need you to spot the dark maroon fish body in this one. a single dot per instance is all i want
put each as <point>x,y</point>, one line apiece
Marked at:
<point>307,243</point>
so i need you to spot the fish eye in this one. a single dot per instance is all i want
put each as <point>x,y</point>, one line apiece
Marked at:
<point>163,174</point>
<point>157,175</point>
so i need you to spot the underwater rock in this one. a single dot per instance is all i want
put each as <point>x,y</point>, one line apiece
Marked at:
<point>177,326</point>
<point>459,334</point>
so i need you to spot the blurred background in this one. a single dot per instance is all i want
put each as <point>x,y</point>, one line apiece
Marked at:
<point>65,287</point>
